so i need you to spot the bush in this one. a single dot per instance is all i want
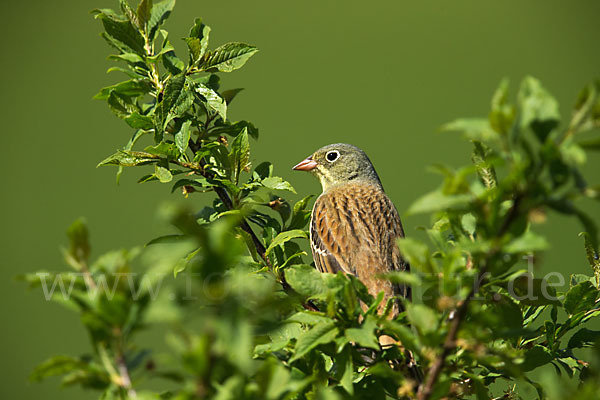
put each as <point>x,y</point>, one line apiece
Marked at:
<point>246,317</point>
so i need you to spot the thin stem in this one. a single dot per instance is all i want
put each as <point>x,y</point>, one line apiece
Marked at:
<point>228,203</point>
<point>260,248</point>
<point>87,275</point>
<point>125,377</point>
<point>79,263</point>
<point>154,73</point>
<point>122,366</point>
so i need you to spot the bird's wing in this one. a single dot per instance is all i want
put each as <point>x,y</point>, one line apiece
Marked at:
<point>354,229</point>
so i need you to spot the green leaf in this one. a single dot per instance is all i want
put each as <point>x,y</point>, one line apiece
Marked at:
<point>438,201</point>
<point>321,333</point>
<point>473,128</point>
<point>210,80</point>
<point>284,237</point>
<point>228,57</point>
<point>57,365</point>
<point>130,13</point>
<point>296,255</point>
<point>200,183</point>
<point>589,225</point>
<point>469,223</point>
<point>144,10</point>
<point>172,63</point>
<point>590,144</point>
<point>79,245</point>
<point>163,174</point>
<point>230,94</point>
<point>300,214</point>
<point>528,242</point>
<point>138,121</point>
<point>279,383</point>
<point>403,278</point>
<point>532,291</point>
<point>160,12</point>
<point>539,110</point>
<point>239,155</point>
<point>503,313</point>
<point>197,41</point>
<point>174,96</point>
<point>365,335</point>
<point>577,278</point>
<point>581,297</point>
<point>263,170</point>
<point>183,103</point>
<point>234,129</point>
<point>213,100</point>
<point>423,317</point>
<point>167,150</point>
<point>586,113</point>
<point>405,334</point>
<point>121,105</point>
<point>536,357</point>
<point>227,185</point>
<point>485,169</point>
<point>175,238</point>
<point>136,136</point>
<point>122,34</point>
<point>182,138</point>
<point>130,88</point>
<point>305,280</point>
<point>277,183</point>
<point>345,369</point>
<point>167,47</point>
<point>502,114</point>
<point>572,154</point>
<point>307,317</point>
<point>137,63</point>
<point>583,338</point>
<point>571,365</point>
<point>592,256</point>
<point>417,254</point>
<point>129,159</point>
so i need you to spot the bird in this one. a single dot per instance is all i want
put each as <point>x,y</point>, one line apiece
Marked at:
<point>354,225</point>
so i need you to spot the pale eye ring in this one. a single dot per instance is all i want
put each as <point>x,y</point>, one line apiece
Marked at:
<point>332,155</point>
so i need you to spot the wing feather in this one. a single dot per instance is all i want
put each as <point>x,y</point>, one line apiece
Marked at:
<point>354,229</point>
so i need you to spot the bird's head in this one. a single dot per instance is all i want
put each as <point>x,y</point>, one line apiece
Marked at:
<point>338,164</point>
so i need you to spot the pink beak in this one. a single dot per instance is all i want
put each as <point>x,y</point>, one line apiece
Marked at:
<point>305,165</point>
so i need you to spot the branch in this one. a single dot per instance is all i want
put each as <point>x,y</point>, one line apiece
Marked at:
<point>119,376</point>
<point>125,378</point>
<point>449,343</point>
<point>228,203</point>
<point>260,248</point>
<point>460,313</point>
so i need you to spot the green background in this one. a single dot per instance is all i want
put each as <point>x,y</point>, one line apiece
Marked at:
<point>383,75</point>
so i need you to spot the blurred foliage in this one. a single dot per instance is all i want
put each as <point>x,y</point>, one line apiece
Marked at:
<point>247,318</point>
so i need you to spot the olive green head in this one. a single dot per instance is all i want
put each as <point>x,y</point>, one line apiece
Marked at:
<point>338,164</point>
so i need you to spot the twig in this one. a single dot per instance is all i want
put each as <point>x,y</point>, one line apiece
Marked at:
<point>120,376</point>
<point>460,313</point>
<point>125,378</point>
<point>228,203</point>
<point>449,343</point>
<point>260,248</point>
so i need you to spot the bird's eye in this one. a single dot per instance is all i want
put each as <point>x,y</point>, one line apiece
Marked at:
<point>332,155</point>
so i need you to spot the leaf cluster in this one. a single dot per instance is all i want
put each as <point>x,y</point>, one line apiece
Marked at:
<point>247,318</point>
